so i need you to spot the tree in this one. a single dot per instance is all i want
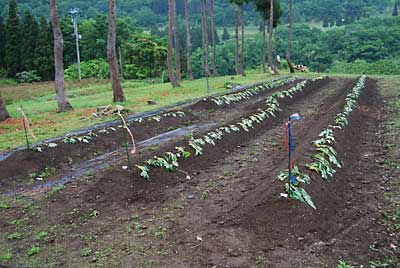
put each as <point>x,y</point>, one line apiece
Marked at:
<point>395,10</point>
<point>213,37</point>
<point>176,38</point>
<point>290,38</point>
<point>273,12</point>
<point>242,64</point>
<point>188,42</point>
<point>2,44</point>
<point>112,52</point>
<point>237,63</point>
<point>13,40</point>
<point>171,70</point>
<point>204,37</point>
<point>43,60</point>
<point>30,30</point>
<point>3,111</point>
<point>62,100</point>
<point>272,68</point>
<point>225,34</point>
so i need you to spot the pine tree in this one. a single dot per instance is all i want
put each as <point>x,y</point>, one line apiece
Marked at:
<point>13,40</point>
<point>225,34</point>
<point>30,29</point>
<point>2,44</point>
<point>43,59</point>
<point>395,10</point>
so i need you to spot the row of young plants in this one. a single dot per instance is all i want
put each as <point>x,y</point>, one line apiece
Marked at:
<point>170,160</point>
<point>87,138</point>
<point>325,161</point>
<point>251,92</point>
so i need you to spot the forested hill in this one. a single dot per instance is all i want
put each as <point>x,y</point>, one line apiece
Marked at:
<point>152,12</point>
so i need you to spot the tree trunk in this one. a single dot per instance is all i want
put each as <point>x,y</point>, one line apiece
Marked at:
<point>242,65</point>
<point>205,37</point>
<point>237,65</point>
<point>3,111</point>
<point>171,70</point>
<point>275,52</point>
<point>271,29</point>
<point>62,100</point>
<point>263,46</point>
<point>188,42</point>
<point>289,51</point>
<point>176,38</point>
<point>112,52</point>
<point>214,39</point>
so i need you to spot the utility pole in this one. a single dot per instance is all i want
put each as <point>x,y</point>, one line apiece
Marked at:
<point>74,13</point>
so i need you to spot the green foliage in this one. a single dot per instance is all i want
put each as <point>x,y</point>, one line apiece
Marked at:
<point>86,252</point>
<point>14,236</point>
<point>44,58</point>
<point>13,40</point>
<point>41,235</point>
<point>7,256</point>
<point>144,56</point>
<point>33,251</point>
<point>390,66</point>
<point>27,77</point>
<point>89,69</point>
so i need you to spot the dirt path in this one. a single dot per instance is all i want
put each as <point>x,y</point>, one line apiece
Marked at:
<point>230,213</point>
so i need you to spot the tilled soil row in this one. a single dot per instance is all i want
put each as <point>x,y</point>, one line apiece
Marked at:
<point>116,194</point>
<point>18,168</point>
<point>248,224</point>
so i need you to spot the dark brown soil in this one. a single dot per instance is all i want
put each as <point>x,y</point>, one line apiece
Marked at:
<point>26,165</point>
<point>230,214</point>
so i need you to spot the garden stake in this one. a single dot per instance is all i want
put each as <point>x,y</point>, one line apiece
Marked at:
<point>124,125</point>
<point>289,148</point>
<point>26,127</point>
<point>26,133</point>
<point>126,145</point>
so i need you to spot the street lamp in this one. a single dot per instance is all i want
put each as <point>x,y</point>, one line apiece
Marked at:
<point>74,14</point>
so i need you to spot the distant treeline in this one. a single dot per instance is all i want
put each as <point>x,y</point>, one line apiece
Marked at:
<point>147,13</point>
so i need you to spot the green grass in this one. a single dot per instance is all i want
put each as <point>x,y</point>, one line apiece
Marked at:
<point>39,103</point>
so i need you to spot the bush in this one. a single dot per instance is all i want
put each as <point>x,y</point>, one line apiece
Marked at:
<point>89,69</point>
<point>27,77</point>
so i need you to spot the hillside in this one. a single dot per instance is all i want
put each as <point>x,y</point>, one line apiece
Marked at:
<point>149,12</point>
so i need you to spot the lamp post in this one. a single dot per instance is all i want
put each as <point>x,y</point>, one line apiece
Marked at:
<point>74,14</point>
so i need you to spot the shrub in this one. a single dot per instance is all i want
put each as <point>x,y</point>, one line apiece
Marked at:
<point>89,69</point>
<point>28,77</point>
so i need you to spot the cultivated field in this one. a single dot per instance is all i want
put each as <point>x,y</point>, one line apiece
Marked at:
<point>202,188</point>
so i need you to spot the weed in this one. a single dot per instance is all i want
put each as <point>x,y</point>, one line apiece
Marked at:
<point>205,195</point>
<point>47,172</point>
<point>86,252</point>
<point>55,190</point>
<point>14,236</point>
<point>41,235</point>
<point>161,233</point>
<point>94,213</point>
<point>7,256</point>
<point>34,250</point>
<point>343,264</point>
